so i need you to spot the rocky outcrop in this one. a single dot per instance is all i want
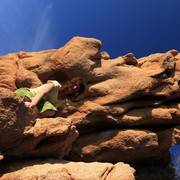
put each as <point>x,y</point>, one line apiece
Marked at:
<point>59,170</point>
<point>123,145</point>
<point>22,135</point>
<point>129,111</point>
<point>49,137</point>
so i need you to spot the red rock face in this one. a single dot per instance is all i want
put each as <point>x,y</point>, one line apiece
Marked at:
<point>66,170</point>
<point>129,111</point>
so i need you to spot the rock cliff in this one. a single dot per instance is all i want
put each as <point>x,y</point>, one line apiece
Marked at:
<point>129,112</point>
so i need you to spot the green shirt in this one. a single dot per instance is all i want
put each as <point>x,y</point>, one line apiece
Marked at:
<point>52,97</point>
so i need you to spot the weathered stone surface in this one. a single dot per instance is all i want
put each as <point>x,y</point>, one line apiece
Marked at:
<point>21,138</point>
<point>76,58</point>
<point>36,62</point>
<point>123,145</point>
<point>15,118</point>
<point>8,70</point>
<point>129,111</point>
<point>131,96</point>
<point>105,55</point>
<point>130,59</point>
<point>66,170</point>
<point>25,78</point>
<point>48,137</point>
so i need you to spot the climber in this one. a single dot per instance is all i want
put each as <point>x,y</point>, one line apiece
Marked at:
<point>51,98</point>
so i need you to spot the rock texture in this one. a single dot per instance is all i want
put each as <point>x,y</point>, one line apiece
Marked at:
<point>65,170</point>
<point>49,137</point>
<point>123,145</point>
<point>24,136</point>
<point>129,111</point>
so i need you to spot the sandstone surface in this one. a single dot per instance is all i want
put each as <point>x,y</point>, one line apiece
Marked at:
<point>65,170</point>
<point>129,111</point>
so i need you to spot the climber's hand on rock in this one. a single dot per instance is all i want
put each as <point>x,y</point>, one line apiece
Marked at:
<point>28,104</point>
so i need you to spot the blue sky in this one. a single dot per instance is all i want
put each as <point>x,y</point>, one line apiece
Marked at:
<point>142,27</point>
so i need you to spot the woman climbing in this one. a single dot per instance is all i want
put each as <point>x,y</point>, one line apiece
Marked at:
<point>51,98</point>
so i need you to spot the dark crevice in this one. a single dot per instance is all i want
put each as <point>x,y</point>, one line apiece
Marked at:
<point>141,99</point>
<point>98,129</point>
<point>49,141</point>
<point>103,121</point>
<point>162,103</point>
<point>150,98</point>
<point>141,102</point>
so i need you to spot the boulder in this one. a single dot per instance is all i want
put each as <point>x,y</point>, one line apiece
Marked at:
<point>22,135</point>
<point>66,170</point>
<point>48,137</point>
<point>125,145</point>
